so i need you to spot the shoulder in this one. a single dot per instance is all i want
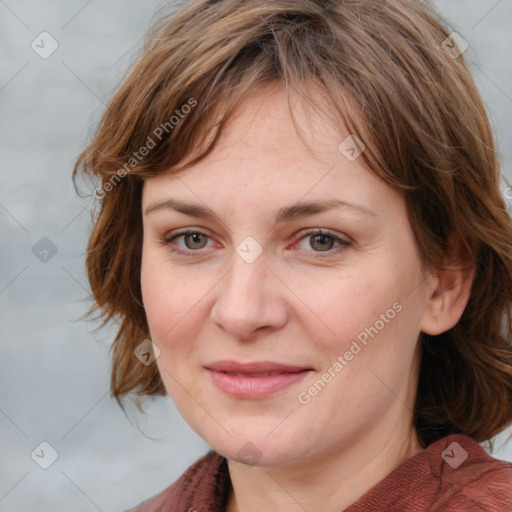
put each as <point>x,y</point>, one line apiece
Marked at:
<point>469,478</point>
<point>453,474</point>
<point>205,481</point>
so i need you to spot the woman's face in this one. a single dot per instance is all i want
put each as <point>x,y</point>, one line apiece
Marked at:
<point>257,289</point>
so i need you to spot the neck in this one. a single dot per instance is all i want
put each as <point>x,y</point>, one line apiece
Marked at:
<point>329,482</point>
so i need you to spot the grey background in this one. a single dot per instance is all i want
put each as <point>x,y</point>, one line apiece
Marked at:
<point>54,370</point>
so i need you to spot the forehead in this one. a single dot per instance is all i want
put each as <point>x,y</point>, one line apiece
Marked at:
<point>261,159</point>
<point>268,120</point>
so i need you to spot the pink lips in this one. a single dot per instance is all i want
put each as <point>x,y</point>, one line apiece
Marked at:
<point>254,380</point>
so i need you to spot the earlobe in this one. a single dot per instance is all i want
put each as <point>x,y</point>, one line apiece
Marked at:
<point>451,292</point>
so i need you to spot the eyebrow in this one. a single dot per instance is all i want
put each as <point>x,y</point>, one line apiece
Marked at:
<point>282,215</point>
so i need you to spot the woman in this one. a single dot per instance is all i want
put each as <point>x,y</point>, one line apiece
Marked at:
<point>302,234</point>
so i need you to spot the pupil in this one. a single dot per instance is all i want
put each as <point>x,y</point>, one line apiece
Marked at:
<point>196,238</point>
<point>322,239</point>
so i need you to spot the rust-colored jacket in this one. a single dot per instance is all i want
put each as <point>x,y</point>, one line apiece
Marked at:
<point>454,474</point>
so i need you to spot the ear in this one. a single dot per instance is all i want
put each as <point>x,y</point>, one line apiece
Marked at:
<point>451,289</point>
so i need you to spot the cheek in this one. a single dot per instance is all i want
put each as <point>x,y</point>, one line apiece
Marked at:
<point>372,318</point>
<point>174,301</point>
<point>349,303</point>
<point>164,296</point>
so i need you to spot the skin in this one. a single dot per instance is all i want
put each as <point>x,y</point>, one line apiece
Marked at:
<point>295,304</point>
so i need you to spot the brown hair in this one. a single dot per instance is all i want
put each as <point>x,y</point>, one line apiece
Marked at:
<point>383,68</point>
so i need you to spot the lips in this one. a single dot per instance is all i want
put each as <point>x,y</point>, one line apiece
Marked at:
<point>254,380</point>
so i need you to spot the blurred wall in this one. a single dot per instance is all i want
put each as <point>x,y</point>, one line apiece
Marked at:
<point>54,369</point>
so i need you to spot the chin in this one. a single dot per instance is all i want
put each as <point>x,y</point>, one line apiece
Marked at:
<point>255,447</point>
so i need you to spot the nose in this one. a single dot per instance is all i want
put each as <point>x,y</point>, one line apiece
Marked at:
<point>250,300</point>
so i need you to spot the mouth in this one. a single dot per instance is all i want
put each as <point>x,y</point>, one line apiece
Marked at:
<point>254,380</point>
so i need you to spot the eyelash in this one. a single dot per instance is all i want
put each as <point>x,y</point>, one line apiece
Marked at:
<point>311,232</point>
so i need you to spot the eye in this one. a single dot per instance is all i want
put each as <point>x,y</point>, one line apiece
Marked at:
<point>323,241</point>
<point>192,238</point>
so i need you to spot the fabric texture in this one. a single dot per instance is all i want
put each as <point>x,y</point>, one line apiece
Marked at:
<point>454,474</point>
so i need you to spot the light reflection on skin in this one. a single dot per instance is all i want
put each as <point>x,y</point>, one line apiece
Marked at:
<point>294,304</point>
